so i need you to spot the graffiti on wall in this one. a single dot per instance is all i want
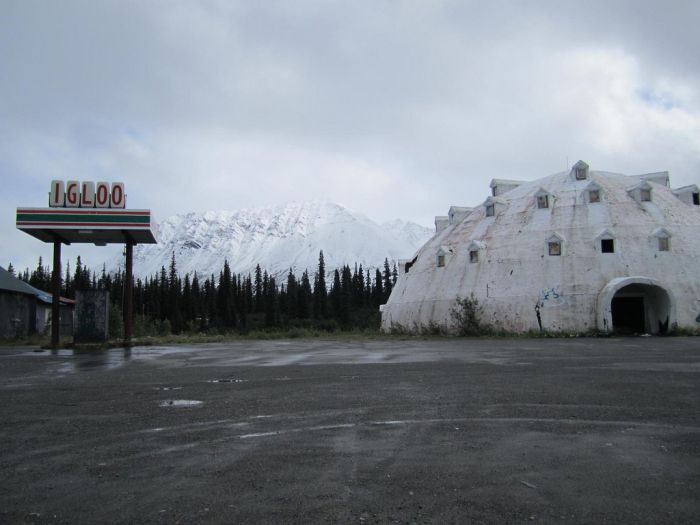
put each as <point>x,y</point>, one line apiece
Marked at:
<point>551,297</point>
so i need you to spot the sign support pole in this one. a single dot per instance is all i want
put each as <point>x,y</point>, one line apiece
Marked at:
<point>128,293</point>
<point>56,293</point>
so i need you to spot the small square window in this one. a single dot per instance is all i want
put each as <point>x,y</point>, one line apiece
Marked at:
<point>543,201</point>
<point>645,195</point>
<point>580,173</point>
<point>441,261</point>
<point>607,245</point>
<point>696,199</point>
<point>594,196</point>
<point>554,248</point>
<point>474,256</point>
<point>490,210</point>
<point>663,244</point>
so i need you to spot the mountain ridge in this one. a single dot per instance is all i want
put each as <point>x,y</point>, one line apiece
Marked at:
<point>279,238</point>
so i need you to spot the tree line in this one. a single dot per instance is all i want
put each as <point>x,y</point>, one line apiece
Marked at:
<point>230,302</point>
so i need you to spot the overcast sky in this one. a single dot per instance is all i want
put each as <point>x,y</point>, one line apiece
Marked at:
<point>393,109</point>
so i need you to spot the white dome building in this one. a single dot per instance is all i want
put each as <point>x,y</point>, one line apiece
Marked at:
<point>581,250</point>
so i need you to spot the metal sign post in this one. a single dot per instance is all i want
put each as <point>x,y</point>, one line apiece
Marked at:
<point>56,293</point>
<point>129,294</point>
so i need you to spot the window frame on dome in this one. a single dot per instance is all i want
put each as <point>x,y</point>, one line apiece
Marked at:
<point>473,249</point>
<point>580,171</point>
<point>642,192</point>
<point>554,245</point>
<point>663,239</point>
<point>493,206</point>
<point>593,188</point>
<point>554,248</point>
<point>543,197</point>
<point>442,256</point>
<point>606,241</point>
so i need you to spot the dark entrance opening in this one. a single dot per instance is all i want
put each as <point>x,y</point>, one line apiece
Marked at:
<point>628,315</point>
<point>641,308</point>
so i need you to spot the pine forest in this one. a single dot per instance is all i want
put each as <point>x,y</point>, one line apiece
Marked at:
<point>169,303</point>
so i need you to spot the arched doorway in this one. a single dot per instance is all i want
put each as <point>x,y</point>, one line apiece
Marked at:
<point>636,305</point>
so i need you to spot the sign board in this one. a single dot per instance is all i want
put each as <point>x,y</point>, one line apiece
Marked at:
<point>87,212</point>
<point>74,194</point>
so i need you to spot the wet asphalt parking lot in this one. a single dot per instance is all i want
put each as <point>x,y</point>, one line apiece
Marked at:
<point>311,431</point>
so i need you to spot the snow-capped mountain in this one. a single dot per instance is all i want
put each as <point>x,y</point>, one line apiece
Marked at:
<point>279,237</point>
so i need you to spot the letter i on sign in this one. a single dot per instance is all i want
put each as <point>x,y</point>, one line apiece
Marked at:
<point>57,196</point>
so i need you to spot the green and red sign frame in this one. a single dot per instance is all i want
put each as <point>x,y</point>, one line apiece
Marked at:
<point>87,213</point>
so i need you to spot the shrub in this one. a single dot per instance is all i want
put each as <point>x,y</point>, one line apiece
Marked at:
<point>466,315</point>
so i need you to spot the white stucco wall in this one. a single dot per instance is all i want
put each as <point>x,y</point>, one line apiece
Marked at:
<point>515,272</point>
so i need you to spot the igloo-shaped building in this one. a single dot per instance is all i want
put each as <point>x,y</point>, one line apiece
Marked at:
<point>577,251</point>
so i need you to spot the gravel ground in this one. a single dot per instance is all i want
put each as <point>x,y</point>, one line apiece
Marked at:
<point>309,431</point>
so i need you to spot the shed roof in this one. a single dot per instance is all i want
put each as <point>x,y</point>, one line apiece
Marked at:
<point>10,283</point>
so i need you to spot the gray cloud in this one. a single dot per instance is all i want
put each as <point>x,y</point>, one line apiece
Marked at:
<point>391,108</point>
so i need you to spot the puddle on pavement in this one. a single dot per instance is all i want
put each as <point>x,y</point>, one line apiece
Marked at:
<point>180,403</point>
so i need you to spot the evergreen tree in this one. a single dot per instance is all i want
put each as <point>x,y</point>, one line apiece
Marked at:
<point>105,281</point>
<point>11,269</point>
<point>173,293</point>
<point>68,288</point>
<point>81,278</point>
<point>368,290</point>
<point>196,298</point>
<point>246,303</point>
<point>258,299</point>
<point>304,297</point>
<point>271,302</point>
<point>335,296</point>
<point>320,290</point>
<point>378,291</point>
<point>164,304</point>
<point>225,295</point>
<point>292,294</point>
<point>41,277</point>
<point>345,295</point>
<point>388,281</point>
